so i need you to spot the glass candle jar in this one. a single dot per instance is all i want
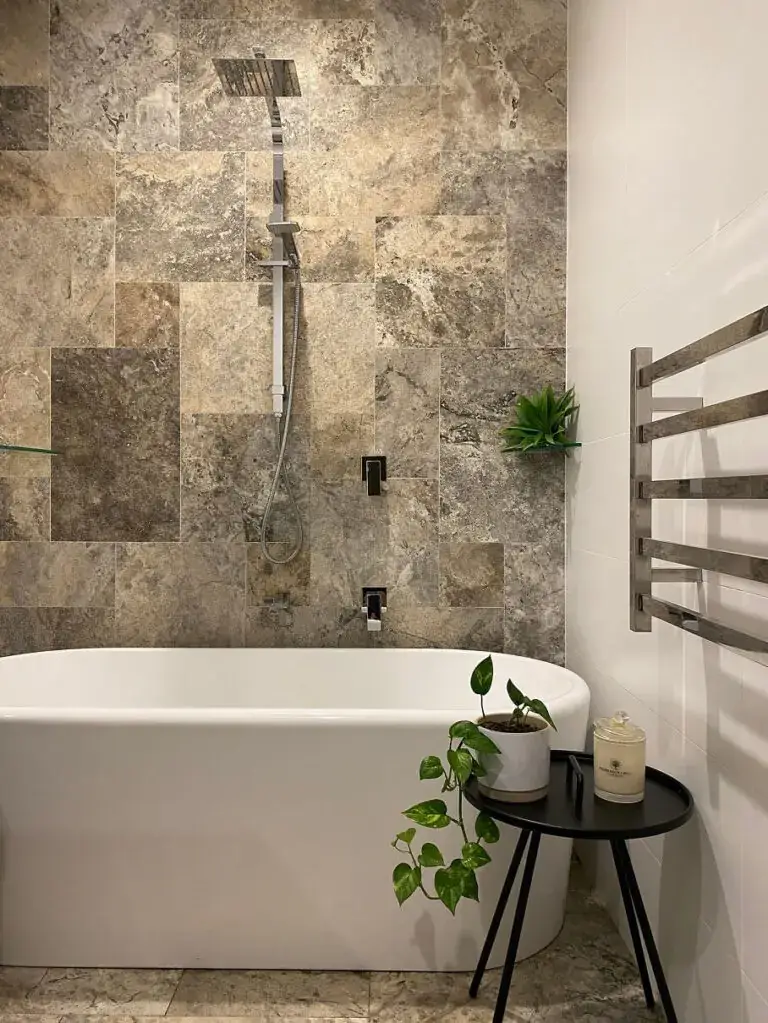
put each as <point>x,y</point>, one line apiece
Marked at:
<point>619,759</point>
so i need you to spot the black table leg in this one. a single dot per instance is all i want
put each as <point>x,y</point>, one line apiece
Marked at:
<point>498,913</point>
<point>517,927</point>
<point>642,917</point>
<point>629,909</point>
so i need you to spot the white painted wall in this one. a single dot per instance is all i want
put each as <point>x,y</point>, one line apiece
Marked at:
<point>668,199</point>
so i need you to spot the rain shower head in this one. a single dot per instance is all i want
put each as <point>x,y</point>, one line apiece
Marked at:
<point>257,76</point>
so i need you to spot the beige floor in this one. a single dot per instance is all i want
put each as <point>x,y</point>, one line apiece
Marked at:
<point>586,976</point>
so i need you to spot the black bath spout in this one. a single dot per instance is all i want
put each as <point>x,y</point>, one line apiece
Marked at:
<point>374,473</point>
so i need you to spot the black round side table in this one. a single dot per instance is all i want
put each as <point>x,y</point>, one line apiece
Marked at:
<point>571,810</point>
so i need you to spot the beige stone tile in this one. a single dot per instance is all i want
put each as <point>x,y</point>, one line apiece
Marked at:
<point>463,244</point>
<point>24,629</point>
<point>146,314</point>
<point>105,992</point>
<point>268,583</point>
<point>25,410</point>
<point>16,983</point>
<point>23,117</point>
<point>458,628</point>
<point>472,574</point>
<point>407,49</point>
<point>57,184</point>
<point>309,626</point>
<point>226,348</point>
<point>56,282</point>
<point>407,410</point>
<point>287,9</point>
<point>24,53</point>
<point>276,993</point>
<point>25,508</point>
<point>38,574</point>
<point>180,217</point>
<point>189,594</point>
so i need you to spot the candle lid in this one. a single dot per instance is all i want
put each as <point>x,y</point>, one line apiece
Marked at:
<point>619,728</point>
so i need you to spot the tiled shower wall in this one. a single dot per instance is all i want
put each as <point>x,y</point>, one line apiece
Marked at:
<point>426,164</point>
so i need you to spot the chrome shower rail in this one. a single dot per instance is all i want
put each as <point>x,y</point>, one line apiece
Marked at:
<point>690,414</point>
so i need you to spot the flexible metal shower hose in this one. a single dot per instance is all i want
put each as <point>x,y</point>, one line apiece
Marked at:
<point>282,428</point>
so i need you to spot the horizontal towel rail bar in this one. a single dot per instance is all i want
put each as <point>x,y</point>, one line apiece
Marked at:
<point>736,488</point>
<point>741,566</point>
<point>698,624</point>
<point>747,406</point>
<point>737,333</point>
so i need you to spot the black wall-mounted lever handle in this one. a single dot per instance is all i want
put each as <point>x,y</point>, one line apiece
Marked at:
<point>374,473</point>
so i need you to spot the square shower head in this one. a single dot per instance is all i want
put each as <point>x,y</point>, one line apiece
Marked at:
<point>257,76</point>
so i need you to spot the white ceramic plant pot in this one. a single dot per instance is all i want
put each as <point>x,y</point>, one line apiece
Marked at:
<point>520,772</point>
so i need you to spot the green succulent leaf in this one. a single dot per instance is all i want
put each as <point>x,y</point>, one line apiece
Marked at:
<point>541,421</point>
<point>405,880</point>
<point>430,856</point>
<point>473,855</point>
<point>432,813</point>
<point>481,679</point>
<point>461,761</point>
<point>487,829</point>
<point>449,885</point>
<point>540,708</point>
<point>430,767</point>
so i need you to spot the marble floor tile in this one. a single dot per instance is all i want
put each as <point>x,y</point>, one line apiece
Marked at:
<point>56,282</point>
<point>180,217</point>
<point>439,281</point>
<point>114,75</point>
<point>226,348</point>
<point>106,992</point>
<point>57,184</point>
<point>434,998</point>
<point>276,993</point>
<point>472,574</point>
<point>23,117</point>
<point>39,574</point>
<point>515,498</point>
<point>25,508</point>
<point>25,410</point>
<point>407,411</point>
<point>180,594</point>
<point>16,983</point>
<point>24,53</point>
<point>407,48</point>
<point>146,314</point>
<point>24,629</point>
<point>535,599</point>
<point>268,582</point>
<point>115,419</point>
<point>536,249</point>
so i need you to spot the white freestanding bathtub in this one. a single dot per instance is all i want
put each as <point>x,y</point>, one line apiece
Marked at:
<point>235,808</point>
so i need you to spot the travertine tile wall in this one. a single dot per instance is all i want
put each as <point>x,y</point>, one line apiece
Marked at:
<point>426,165</point>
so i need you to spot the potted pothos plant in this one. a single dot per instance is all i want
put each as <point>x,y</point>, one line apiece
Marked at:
<point>542,422</point>
<point>508,753</point>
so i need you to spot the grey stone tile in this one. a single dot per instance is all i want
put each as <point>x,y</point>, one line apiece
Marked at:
<point>339,342</point>
<point>189,594</point>
<point>16,982</point>
<point>473,181</point>
<point>25,410</point>
<point>114,75</point>
<point>24,56</point>
<point>330,55</point>
<point>439,281</point>
<point>535,599</point>
<point>110,992</point>
<point>407,49</point>
<point>227,467</point>
<point>503,75</point>
<point>25,508</point>
<point>38,574</point>
<point>514,498</point>
<point>536,250</point>
<point>75,259</point>
<point>226,348</point>
<point>278,993</point>
<point>407,411</point>
<point>146,314</point>
<point>115,419</point>
<point>472,574</point>
<point>306,627</point>
<point>268,582</point>
<point>23,117</point>
<point>436,997</point>
<point>180,217</point>
<point>57,184</point>
<point>452,627</point>
<point>251,9</point>
<point>385,117</point>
